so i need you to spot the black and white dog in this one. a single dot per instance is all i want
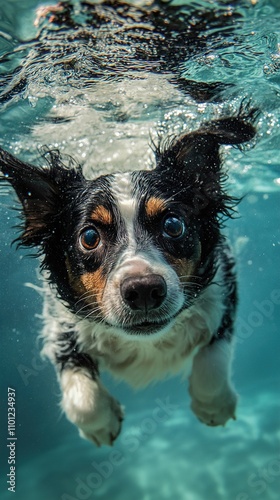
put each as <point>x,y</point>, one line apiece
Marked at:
<point>138,278</point>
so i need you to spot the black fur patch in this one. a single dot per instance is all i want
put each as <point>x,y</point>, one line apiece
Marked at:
<point>70,356</point>
<point>225,330</point>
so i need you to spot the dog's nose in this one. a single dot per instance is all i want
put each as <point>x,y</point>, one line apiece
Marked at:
<point>144,292</point>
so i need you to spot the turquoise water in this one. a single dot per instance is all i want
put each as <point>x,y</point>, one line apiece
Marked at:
<point>106,124</point>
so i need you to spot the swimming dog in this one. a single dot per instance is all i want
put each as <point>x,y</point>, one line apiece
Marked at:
<point>138,276</point>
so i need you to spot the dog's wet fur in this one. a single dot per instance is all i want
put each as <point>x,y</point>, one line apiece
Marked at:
<point>138,277</point>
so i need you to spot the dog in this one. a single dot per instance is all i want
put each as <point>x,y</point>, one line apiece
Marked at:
<point>138,276</point>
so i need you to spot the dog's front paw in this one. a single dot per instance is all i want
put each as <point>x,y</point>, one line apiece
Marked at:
<point>216,410</point>
<point>88,405</point>
<point>105,425</point>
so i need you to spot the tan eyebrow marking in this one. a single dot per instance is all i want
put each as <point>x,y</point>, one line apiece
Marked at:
<point>101,214</point>
<point>154,206</point>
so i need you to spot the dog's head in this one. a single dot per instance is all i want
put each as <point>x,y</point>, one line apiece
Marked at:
<point>130,250</point>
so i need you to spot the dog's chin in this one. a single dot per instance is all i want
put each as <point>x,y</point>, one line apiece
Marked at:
<point>148,327</point>
<point>145,328</point>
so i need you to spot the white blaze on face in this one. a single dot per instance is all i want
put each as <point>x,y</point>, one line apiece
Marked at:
<point>135,262</point>
<point>122,189</point>
<point>130,261</point>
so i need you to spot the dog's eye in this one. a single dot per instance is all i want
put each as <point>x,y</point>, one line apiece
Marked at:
<point>173,227</point>
<point>90,238</point>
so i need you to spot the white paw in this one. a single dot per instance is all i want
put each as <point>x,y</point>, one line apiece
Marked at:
<point>216,410</point>
<point>105,426</point>
<point>88,405</point>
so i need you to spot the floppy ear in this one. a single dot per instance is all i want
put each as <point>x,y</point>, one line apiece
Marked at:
<point>41,191</point>
<point>198,152</point>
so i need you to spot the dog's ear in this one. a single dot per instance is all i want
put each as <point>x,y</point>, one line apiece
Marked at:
<point>41,191</point>
<point>197,152</point>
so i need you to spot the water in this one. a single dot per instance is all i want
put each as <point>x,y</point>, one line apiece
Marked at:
<point>103,115</point>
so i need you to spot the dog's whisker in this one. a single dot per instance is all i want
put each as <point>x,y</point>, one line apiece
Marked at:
<point>97,318</point>
<point>85,295</point>
<point>87,307</point>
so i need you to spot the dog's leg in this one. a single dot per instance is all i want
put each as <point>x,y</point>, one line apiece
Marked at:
<point>88,404</point>
<point>213,397</point>
<point>85,400</point>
